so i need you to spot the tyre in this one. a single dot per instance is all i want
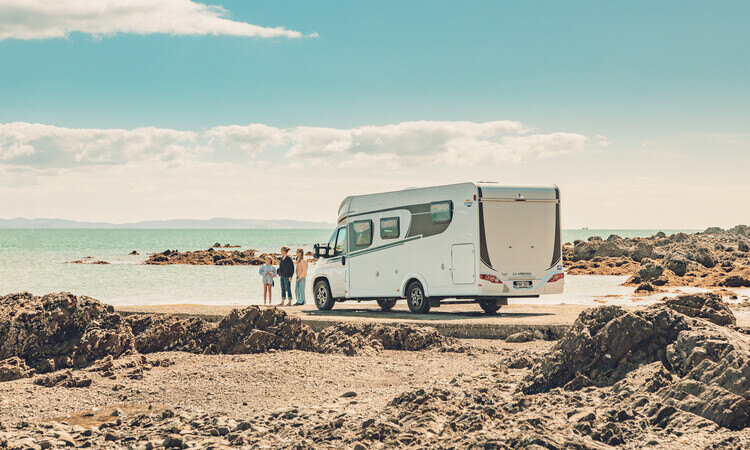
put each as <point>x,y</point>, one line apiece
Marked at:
<point>489,306</point>
<point>323,298</point>
<point>415,298</point>
<point>386,305</point>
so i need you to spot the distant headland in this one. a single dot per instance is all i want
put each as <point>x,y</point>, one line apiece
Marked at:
<point>214,223</point>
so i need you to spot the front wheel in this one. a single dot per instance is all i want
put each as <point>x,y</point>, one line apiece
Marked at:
<point>415,298</point>
<point>489,306</point>
<point>386,305</point>
<point>323,298</point>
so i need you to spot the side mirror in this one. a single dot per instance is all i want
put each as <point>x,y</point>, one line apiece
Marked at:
<point>316,250</point>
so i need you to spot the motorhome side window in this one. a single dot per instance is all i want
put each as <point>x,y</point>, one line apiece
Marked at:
<point>340,242</point>
<point>441,212</point>
<point>389,228</point>
<point>361,234</point>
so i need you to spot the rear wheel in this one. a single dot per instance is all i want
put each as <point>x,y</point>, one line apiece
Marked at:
<point>386,305</point>
<point>489,306</point>
<point>323,298</point>
<point>415,298</point>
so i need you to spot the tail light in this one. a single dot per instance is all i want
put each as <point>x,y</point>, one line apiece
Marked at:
<point>556,277</point>
<point>490,278</point>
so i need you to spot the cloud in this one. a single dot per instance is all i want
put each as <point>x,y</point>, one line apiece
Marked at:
<point>44,19</point>
<point>426,143</point>
<point>421,142</point>
<point>38,145</point>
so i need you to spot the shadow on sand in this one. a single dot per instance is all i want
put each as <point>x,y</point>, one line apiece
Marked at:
<point>407,315</point>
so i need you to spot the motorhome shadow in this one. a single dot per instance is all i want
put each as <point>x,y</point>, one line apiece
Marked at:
<point>467,242</point>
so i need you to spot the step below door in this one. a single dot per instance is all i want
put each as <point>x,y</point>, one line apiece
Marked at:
<point>463,262</point>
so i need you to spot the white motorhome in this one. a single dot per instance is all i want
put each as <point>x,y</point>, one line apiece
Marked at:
<point>481,242</point>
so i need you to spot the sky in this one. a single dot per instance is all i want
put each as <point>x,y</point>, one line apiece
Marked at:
<point>133,110</point>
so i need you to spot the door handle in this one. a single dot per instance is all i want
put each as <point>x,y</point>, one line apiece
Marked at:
<point>343,260</point>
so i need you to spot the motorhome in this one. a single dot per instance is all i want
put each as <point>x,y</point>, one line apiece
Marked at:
<point>468,242</point>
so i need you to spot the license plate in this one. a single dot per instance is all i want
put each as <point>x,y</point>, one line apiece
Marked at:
<point>521,284</point>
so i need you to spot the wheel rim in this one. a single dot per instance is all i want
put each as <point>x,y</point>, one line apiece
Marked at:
<point>322,295</point>
<point>416,298</point>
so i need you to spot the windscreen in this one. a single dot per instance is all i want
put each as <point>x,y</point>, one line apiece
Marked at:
<point>520,236</point>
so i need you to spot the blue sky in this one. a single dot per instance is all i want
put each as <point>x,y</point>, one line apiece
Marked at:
<point>660,91</point>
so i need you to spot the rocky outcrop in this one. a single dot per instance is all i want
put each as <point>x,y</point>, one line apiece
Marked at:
<point>211,257</point>
<point>61,330</point>
<point>714,257</point>
<point>255,330</point>
<point>162,332</point>
<point>704,368</point>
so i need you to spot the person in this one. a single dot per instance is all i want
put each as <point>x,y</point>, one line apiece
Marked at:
<point>268,271</point>
<point>301,271</point>
<point>286,270</point>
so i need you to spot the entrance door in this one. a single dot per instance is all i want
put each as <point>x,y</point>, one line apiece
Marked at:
<point>336,265</point>
<point>463,261</point>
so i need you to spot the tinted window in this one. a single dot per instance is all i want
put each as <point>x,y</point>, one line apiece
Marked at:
<point>361,234</point>
<point>441,212</point>
<point>340,242</point>
<point>389,228</point>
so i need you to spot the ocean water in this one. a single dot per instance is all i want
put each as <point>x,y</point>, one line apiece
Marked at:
<point>35,260</point>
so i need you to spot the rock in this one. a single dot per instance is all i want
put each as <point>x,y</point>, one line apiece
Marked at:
<point>650,272</point>
<point>645,287</point>
<point>348,394</point>
<point>14,368</point>
<point>134,252</point>
<point>63,379</point>
<point>173,442</point>
<point>578,383</point>
<point>677,263</point>
<point>521,336</point>
<point>60,330</point>
<point>707,306</point>
<point>736,281</point>
<point>357,338</point>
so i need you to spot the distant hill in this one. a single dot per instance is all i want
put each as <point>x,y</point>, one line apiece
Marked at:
<point>215,223</point>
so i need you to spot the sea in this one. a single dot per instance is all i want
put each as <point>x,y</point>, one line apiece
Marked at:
<point>38,261</point>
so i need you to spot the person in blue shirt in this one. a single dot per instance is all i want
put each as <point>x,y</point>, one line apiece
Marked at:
<point>268,271</point>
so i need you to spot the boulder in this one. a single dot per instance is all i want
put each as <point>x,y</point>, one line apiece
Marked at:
<point>708,305</point>
<point>14,369</point>
<point>676,262</point>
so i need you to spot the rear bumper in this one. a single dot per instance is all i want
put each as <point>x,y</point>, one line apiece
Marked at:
<point>508,289</point>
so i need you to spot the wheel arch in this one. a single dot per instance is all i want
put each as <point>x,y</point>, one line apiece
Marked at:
<point>414,277</point>
<point>319,278</point>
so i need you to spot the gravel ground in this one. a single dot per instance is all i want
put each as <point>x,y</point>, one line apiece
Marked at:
<point>245,385</point>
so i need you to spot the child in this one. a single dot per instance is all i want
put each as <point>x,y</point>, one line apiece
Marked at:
<point>268,271</point>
